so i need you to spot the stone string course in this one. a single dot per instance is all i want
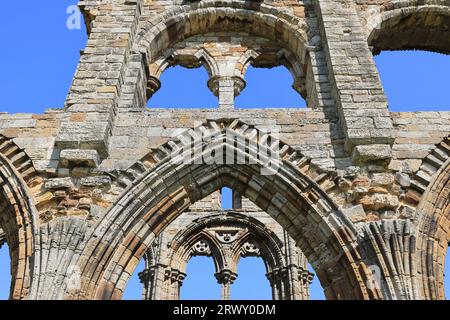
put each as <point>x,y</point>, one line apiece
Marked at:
<point>90,189</point>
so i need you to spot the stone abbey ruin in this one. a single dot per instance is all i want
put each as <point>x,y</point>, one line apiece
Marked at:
<point>359,192</point>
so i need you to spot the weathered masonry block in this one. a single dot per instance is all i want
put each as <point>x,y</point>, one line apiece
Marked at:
<point>90,189</point>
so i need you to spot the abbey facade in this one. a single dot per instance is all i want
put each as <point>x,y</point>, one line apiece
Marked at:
<point>359,192</point>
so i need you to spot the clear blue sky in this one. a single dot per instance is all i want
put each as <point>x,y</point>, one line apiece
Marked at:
<point>38,59</point>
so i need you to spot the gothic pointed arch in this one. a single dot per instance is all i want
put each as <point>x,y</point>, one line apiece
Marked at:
<point>271,246</point>
<point>433,223</point>
<point>18,214</point>
<point>266,36</point>
<point>291,194</point>
<point>206,16</point>
<point>430,167</point>
<point>226,236</point>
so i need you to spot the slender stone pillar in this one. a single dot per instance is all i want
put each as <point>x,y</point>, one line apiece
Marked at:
<point>274,285</point>
<point>237,201</point>
<point>306,279</point>
<point>147,278</point>
<point>175,279</point>
<point>226,89</point>
<point>226,278</point>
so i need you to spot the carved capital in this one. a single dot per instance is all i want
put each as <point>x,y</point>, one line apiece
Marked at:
<point>305,276</point>
<point>216,82</point>
<point>225,276</point>
<point>175,275</point>
<point>153,85</point>
<point>147,275</point>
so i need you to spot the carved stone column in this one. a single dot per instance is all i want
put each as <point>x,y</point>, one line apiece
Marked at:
<point>147,278</point>
<point>280,283</point>
<point>176,279</point>
<point>153,85</point>
<point>306,278</point>
<point>274,285</point>
<point>226,278</point>
<point>161,283</point>
<point>297,276</point>
<point>226,89</point>
<point>389,248</point>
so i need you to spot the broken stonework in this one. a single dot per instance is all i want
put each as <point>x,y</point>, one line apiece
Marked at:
<point>403,179</point>
<point>59,183</point>
<point>79,158</point>
<point>382,179</point>
<point>355,213</point>
<point>387,214</point>
<point>384,201</point>
<point>407,212</point>
<point>352,172</point>
<point>98,181</point>
<point>379,201</point>
<point>365,154</point>
<point>406,166</point>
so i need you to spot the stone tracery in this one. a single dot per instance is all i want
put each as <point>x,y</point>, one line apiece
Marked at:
<point>239,235</point>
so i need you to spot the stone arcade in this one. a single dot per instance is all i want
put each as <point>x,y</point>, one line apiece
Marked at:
<point>90,189</point>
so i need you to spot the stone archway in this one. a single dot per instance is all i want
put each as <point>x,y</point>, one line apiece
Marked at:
<point>291,195</point>
<point>17,214</point>
<point>411,25</point>
<point>226,236</point>
<point>282,39</point>
<point>433,219</point>
<point>207,16</point>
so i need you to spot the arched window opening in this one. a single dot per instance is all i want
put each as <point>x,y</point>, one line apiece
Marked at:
<point>200,283</point>
<point>447,274</point>
<point>5,272</point>
<point>269,88</point>
<point>184,88</point>
<point>230,199</point>
<point>251,283</point>
<point>227,198</point>
<point>409,26</point>
<point>415,80</point>
<point>133,290</point>
<point>315,288</point>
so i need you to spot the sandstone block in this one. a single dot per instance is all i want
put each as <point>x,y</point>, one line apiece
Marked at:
<point>384,201</point>
<point>355,213</point>
<point>403,179</point>
<point>382,179</point>
<point>59,183</point>
<point>98,181</point>
<point>79,158</point>
<point>367,153</point>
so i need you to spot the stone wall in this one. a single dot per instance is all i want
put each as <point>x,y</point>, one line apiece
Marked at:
<point>359,189</point>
